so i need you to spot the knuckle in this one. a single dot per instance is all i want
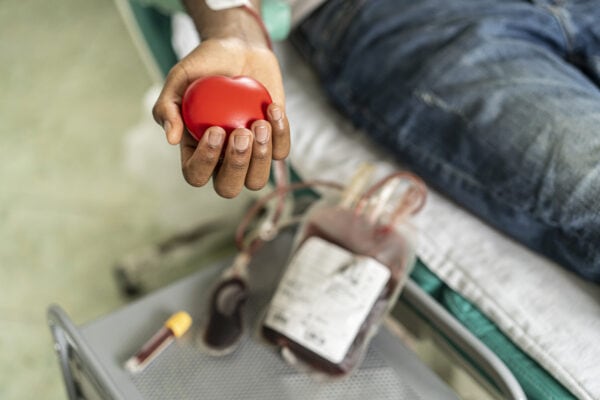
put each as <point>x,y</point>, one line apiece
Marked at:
<point>193,178</point>
<point>209,158</point>
<point>261,154</point>
<point>177,71</point>
<point>280,134</point>
<point>238,164</point>
<point>158,111</point>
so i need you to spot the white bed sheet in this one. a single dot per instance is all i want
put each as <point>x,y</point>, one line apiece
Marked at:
<point>548,312</point>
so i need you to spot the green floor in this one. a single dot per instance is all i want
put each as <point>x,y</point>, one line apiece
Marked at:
<point>71,85</point>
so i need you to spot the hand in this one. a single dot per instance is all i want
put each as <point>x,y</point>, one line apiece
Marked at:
<point>247,157</point>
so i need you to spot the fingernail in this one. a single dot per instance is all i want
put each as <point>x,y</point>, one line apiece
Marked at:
<point>166,126</point>
<point>241,142</point>
<point>261,134</point>
<point>276,113</point>
<point>215,138</point>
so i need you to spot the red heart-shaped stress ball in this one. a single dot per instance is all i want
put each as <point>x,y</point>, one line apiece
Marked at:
<point>222,101</point>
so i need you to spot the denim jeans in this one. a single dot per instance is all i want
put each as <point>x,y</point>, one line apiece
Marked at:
<point>495,103</point>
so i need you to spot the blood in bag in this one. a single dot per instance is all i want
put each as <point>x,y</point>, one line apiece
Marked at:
<point>338,287</point>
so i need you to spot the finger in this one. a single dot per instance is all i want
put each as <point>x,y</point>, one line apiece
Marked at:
<point>187,146</point>
<point>200,161</point>
<point>260,161</point>
<point>231,176</point>
<point>166,110</point>
<point>280,131</point>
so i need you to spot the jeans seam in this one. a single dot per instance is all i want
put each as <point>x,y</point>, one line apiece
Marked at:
<point>568,39</point>
<point>333,31</point>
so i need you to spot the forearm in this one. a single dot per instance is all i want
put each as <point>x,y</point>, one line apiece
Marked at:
<point>229,23</point>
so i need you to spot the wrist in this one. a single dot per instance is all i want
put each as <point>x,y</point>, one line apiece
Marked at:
<point>230,23</point>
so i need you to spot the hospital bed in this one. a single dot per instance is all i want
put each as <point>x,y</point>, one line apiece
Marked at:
<point>503,311</point>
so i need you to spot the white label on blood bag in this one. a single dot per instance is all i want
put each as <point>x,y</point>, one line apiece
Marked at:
<point>217,5</point>
<point>325,296</point>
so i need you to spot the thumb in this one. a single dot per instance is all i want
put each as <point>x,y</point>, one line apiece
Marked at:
<point>167,111</point>
<point>167,115</point>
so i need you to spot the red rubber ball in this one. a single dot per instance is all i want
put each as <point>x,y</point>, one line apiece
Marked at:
<point>223,101</point>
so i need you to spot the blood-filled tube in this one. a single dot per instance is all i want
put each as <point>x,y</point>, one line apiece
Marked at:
<point>173,328</point>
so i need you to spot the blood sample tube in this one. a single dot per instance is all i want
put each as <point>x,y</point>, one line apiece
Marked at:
<point>173,328</point>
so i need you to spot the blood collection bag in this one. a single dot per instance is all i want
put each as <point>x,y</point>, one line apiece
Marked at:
<point>349,265</point>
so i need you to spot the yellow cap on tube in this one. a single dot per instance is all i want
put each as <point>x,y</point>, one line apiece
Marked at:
<point>179,323</point>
